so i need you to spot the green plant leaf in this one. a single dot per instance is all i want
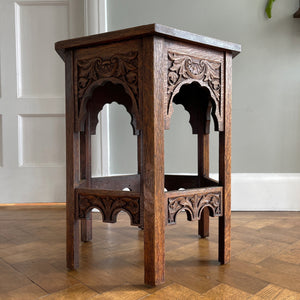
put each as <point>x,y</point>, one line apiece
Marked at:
<point>269,8</point>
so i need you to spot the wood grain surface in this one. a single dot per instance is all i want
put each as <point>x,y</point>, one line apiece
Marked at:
<point>32,258</point>
<point>148,69</point>
<point>142,31</point>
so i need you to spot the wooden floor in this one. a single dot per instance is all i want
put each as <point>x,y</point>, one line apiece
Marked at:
<point>265,259</point>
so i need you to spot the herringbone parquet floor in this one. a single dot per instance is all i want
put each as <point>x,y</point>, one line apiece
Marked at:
<point>265,258</point>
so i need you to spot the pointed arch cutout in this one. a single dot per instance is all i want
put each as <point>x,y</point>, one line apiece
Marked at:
<point>105,91</point>
<point>110,206</point>
<point>198,102</point>
<point>194,203</point>
<point>184,69</point>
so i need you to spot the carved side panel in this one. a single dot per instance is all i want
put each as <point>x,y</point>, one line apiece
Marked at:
<point>193,205</point>
<point>184,69</point>
<point>110,206</point>
<point>119,69</point>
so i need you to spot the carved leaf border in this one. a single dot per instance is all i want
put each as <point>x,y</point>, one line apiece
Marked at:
<point>185,67</point>
<point>122,66</point>
<point>110,206</point>
<point>194,204</point>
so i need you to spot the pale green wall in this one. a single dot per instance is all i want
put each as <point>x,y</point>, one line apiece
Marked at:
<point>266,82</point>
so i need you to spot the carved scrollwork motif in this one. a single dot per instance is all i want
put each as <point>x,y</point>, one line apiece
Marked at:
<point>118,69</point>
<point>110,206</point>
<point>121,66</point>
<point>186,69</point>
<point>194,205</point>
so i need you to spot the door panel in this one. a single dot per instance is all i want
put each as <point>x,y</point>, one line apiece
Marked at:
<point>32,126</point>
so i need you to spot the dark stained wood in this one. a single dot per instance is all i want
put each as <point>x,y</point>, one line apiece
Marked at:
<point>193,201</point>
<point>73,169</point>
<point>297,14</point>
<point>140,168</point>
<point>203,172</point>
<point>85,166</point>
<point>113,183</point>
<point>82,156</point>
<point>175,182</point>
<point>153,161</point>
<point>203,156</point>
<point>207,181</point>
<point>148,69</point>
<point>203,223</point>
<point>106,92</point>
<point>190,192</point>
<point>104,74</point>
<point>107,193</point>
<point>195,80</point>
<point>86,228</point>
<point>145,30</point>
<point>225,168</point>
<point>109,204</point>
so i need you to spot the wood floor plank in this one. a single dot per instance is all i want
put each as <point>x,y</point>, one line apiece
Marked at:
<point>291,254</point>
<point>258,252</point>
<point>280,266</point>
<point>265,258</point>
<point>6,243</point>
<point>242,281</point>
<point>280,234</point>
<point>44,275</point>
<point>258,224</point>
<point>27,292</point>
<point>11,279</point>
<point>288,295</point>
<point>122,293</point>
<point>238,246</point>
<point>284,280</point>
<point>75,292</point>
<point>108,273</point>
<point>270,292</point>
<point>226,292</point>
<point>197,281</point>
<point>174,291</point>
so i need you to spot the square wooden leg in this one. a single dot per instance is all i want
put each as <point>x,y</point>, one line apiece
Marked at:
<point>72,170</point>
<point>225,169</point>
<point>72,239</point>
<point>86,228</point>
<point>153,165</point>
<point>203,224</point>
<point>203,170</point>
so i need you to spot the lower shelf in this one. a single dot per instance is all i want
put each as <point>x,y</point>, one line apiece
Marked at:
<point>110,203</point>
<point>193,201</point>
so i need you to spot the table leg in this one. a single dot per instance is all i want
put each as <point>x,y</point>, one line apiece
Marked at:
<point>86,228</point>
<point>203,170</point>
<point>72,169</point>
<point>225,169</point>
<point>153,163</point>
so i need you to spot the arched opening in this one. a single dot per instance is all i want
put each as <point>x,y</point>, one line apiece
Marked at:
<point>123,144</point>
<point>180,144</point>
<point>213,153</point>
<point>198,102</point>
<point>106,91</point>
<point>188,151</point>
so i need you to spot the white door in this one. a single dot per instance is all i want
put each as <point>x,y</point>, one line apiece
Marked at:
<point>32,124</point>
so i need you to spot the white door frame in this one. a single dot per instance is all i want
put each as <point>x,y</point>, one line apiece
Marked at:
<point>95,21</point>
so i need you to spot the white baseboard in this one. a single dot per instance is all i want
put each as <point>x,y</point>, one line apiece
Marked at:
<point>265,192</point>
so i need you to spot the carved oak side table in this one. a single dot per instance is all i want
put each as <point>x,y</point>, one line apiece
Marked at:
<point>148,69</point>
